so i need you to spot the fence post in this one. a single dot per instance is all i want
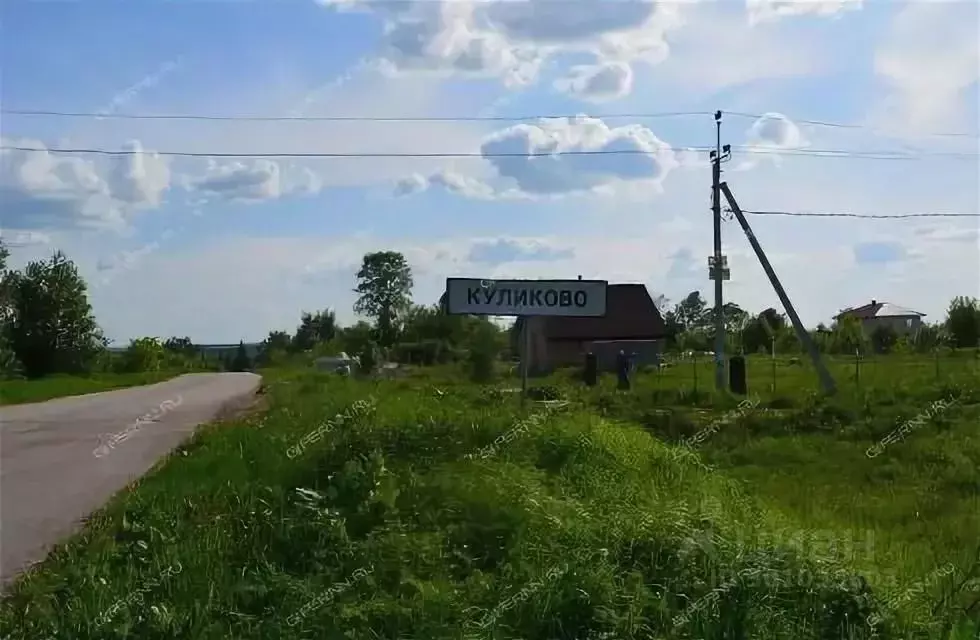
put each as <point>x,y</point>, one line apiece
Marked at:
<point>695,360</point>
<point>773,352</point>
<point>937,365</point>
<point>857,367</point>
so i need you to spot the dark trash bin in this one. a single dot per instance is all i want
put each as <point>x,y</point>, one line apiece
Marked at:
<point>736,375</point>
<point>591,373</point>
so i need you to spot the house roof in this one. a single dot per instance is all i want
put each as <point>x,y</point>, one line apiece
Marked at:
<point>630,315</point>
<point>878,309</point>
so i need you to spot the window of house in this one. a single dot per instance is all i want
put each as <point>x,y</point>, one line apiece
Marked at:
<point>908,323</point>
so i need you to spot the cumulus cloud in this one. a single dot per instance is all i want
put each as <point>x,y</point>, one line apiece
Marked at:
<point>559,157</point>
<point>599,82</point>
<point>628,153</point>
<point>511,40</point>
<point>772,132</point>
<point>924,38</point>
<point>253,181</point>
<point>41,189</point>
<point>18,238</point>
<point>770,10</point>
<point>140,178</point>
<point>452,182</point>
<point>503,250</point>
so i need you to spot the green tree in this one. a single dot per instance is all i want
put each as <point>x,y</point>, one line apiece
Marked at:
<point>9,365</point>
<point>142,354</point>
<point>274,348</point>
<point>183,346</point>
<point>241,361</point>
<point>883,338</point>
<point>53,329</point>
<point>848,336</point>
<point>963,322</point>
<point>368,358</point>
<point>384,292</point>
<point>314,328</point>
<point>760,330</point>
<point>484,351</point>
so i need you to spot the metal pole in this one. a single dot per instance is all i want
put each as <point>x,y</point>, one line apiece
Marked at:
<point>525,358</point>
<point>719,295</point>
<point>826,381</point>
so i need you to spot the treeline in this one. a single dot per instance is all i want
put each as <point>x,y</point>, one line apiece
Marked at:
<point>691,327</point>
<point>396,329</point>
<point>47,327</point>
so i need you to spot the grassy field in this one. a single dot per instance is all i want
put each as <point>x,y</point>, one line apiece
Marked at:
<point>427,507</point>
<point>59,386</point>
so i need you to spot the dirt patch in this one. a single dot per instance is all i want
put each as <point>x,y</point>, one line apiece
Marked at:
<point>242,407</point>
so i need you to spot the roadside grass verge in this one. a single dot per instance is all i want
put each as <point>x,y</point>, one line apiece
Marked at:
<point>408,521</point>
<point>59,386</point>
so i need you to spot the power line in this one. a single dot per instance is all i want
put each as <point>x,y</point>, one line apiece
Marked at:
<point>243,118</point>
<point>762,150</point>
<point>842,125</point>
<point>521,118</point>
<point>805,214</point>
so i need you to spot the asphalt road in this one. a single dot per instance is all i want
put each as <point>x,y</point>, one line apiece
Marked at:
<point>63,459</point>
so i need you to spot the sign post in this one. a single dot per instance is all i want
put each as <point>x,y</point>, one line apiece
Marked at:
<point>526,299</point>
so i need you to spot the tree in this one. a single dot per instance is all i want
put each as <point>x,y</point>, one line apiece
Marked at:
<point>143,354</point>
<point>848,336</point>
<point>963,322</point>
<point>353,338</point>
<point>759,331</point>
<point>484,351</point>
<point>183,346</point>
<point>692,312</point>
<point>241,361</point>
<point>52,328</point>
<point>384,292</point>
<point>9,364</point>
<point>273,348</point>
<point>883,338</point>
<point>314,328</point>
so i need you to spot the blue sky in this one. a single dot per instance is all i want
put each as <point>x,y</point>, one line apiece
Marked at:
<point>231,248</point>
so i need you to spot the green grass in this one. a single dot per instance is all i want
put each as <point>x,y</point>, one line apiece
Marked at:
<point>59,386</point>
<point>593,523</point>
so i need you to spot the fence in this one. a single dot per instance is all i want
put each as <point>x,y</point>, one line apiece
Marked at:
<point>787,373</point>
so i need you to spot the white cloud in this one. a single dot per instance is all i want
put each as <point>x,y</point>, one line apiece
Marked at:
<point>140,178</point>
<point>599,82</point>
<point>511,40</point>
<point>13,238</point>
<point>930,61</point>
<point>253,181</point>
<point>415,183</point>
<point>41,189</point>
<point>714,51</point>
<point>770,10</point>
<point>771,133</point>
<point>628,153</point>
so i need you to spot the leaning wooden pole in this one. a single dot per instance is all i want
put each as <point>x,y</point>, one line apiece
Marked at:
<point>826,381</point>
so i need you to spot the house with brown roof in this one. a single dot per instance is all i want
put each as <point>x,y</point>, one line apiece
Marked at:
<point>877,314</point>
<point>632,323</point>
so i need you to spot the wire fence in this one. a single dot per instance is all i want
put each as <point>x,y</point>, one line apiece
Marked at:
<point>787,374</point>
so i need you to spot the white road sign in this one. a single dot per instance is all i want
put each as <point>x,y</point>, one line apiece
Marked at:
<point>526,297</point>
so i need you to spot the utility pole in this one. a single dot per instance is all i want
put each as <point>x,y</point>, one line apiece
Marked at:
<point>826,380</point>
<point>718,263</point>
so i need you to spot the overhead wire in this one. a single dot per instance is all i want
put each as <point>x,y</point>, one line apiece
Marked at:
<point>518,118</point>
<point>759,149</point>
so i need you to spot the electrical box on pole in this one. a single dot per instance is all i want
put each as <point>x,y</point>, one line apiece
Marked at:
<point>826,381</point>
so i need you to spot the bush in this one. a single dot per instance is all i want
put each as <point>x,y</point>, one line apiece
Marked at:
<point>143,354</point>
<point>369,358</point>
<point>483,354</point>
